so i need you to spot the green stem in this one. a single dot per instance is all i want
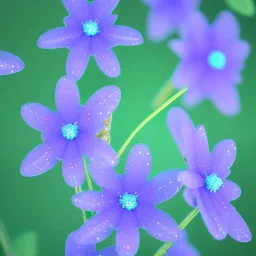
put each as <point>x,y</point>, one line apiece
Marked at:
<point>156,112</point>
<point>163,249</point>
<point>4,241</point>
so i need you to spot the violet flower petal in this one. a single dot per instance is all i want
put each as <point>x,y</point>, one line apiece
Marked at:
<point>182,248</point>
<point>100,226</point>
<point>58,38</point>
<point>74,249</point>
<point>92,201</point>
<point>123,35</point>
<point>191,179</point>
<point>98,108</point>
<point>78,58</point>
<point>161,188</point>
<point>137,168</point>
<point>226,26</point>
<point>230,190</point>
<point>183,131</point>
<point>227,100</point>
<point>201,154</point>
<point>237,228</point>
<point>106,178</point>
<point>40,118</point>
<point>79,9</point>
<point>190,197</point>
<point>10,64</point>
<point>73,165</point>
<point>42,158</point>
<point>127,236</point>
<point>212,218</point>
<point>67,99</point>
<point>178,47</point>
<point>107,61</point>
<point>97,150</point>
<point>103,8</point>
<point>159,25</point>
<point>109,251</point>
<point>222,158</point>
<point>157,223</point>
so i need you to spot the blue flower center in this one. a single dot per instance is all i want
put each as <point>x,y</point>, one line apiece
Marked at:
<point>128,201</point>
<point>213,183</point>
<point>217,60</point>
<point>69,131</point>
<point>91,28</point>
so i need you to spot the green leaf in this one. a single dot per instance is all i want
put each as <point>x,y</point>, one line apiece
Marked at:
<point>244,7</point>
<point>26,244</point>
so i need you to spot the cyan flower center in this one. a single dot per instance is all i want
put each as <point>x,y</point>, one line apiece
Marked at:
<point>128,201</point>
<point>217,60</point>
<point>213,183</point>
<point>69,131</point>
<point>91,28</point>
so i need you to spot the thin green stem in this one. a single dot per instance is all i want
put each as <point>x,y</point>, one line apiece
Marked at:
<point>156,112</point>
<point>4,241</point>
<point>163,249</point>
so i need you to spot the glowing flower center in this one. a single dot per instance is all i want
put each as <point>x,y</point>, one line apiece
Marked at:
<point>69,131</point>
<point>128,201</point>
<point>217,60</point>
<point>91,28</point>
<point>213,183</point>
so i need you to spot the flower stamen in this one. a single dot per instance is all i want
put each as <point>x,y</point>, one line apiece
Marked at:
<point>128,201</point>
<point>217,60</point>
<point>69,131</point>
<point>213,183</point>
<point>91,28</point>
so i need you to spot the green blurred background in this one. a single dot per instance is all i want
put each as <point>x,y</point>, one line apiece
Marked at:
<point>43,203</point>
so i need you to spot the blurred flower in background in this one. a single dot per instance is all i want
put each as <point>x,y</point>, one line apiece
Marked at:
<point>10,64</point>
<point>168,16</point>
<point>212,58</point>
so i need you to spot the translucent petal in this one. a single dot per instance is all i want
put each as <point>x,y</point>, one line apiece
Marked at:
<point>161,188</point>
<point>100,226</point>
<point>127,236</point>
<point>67,99</point>
<point>73,165</point>
<point>9,63</point>
<point>157,223</point>
<point>78,59</point>
<point>58,38</point>
<point>137,168</point>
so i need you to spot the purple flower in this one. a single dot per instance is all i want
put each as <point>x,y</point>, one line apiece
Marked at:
<point>206,178</point>
<point>9,63</point>
<point>212,58</point>
<point>168,16</point>
<point>71,132</point>
<point>89,32</point>
<point>74,249</point>
<point>127,203</point>
<point>182,247</point>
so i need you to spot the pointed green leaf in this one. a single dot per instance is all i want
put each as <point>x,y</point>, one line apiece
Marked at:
<point>244,7</point>
<point>26,244</point>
